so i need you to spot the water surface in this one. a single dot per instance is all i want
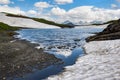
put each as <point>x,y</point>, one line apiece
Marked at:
<point>65,44</point>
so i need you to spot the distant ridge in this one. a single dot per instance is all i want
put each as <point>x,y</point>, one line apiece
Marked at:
<point>68,23</point>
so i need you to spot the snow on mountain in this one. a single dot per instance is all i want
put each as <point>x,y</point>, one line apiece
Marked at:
<point>88,23</point>
<point>83,23</point>
<point>23,22</point>
<point>102,62</point>
<point>68,23</point>
<point>96,22</point>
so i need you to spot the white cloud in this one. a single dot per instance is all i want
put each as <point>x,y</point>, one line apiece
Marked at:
<point>14,10</point>
<point>42,5</point>
<point>57,11</point>
<point>63,1</point>
<point>86,13</point>
<point>4,1</point>
<point>32,12</point>
<point>114,6</point>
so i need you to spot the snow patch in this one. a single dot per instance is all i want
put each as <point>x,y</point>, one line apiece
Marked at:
<point>38,47</point>
<point>102,62</point>
<point>64,52</point>
<point>103,47</point>
<point>12,41</point>
<point>23,22</point>
<point>93,26</point>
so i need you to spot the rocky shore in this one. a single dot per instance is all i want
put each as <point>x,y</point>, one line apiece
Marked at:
<point>112,32</point>
<point>18,57</point>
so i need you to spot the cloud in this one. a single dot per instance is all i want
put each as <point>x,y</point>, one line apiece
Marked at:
<point>4,1</point>
<point>14,10</point>
<point>42,5</point>
<point>63,1</point>
<point>58,11</point>
<point>114,6</point>
<point>86,13</point>
<point>32,12</point>
<point>118,0</point>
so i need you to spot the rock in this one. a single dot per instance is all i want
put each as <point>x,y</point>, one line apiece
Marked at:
<point>4,78</point>
<point>77,40</point>
<point>112,28</point>
<point>61,47</point>
<point>18,67</point>
<point>110,33</point>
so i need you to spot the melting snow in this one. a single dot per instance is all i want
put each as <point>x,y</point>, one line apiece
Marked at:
<point>65,53</point>
<point>102,62</point>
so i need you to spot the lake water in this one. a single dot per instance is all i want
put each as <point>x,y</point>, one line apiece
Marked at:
<point>65,44</point>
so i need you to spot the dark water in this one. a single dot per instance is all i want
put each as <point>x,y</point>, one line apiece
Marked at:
<point>55,41</point>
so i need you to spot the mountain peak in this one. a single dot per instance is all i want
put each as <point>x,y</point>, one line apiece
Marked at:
<point>67,22</point>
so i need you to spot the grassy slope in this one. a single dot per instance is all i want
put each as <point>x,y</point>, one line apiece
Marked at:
<point>51,23</point>
<point>6,31</point>
<point>41,20</point>
<point>6,27</point>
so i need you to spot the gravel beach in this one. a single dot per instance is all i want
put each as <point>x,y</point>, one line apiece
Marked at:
<point>18,57</point>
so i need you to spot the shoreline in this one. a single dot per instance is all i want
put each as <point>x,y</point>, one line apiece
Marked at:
<point>19,57</point>
<point>101,61</point>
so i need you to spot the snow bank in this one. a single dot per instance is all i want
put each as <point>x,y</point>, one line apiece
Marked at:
<point>93,26</point>
<point>22,22</point>
<point>103,47</point>
<point>64,52</point>
<point>102,62</point>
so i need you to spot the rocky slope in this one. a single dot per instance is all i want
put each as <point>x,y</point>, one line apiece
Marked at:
<point>110,33</point>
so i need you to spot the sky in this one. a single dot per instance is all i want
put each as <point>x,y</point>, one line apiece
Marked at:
<point>62,10</point>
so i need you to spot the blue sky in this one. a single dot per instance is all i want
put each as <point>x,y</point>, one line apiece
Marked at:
<point>29,4</point>
<point>97,3</point>
<point>60,10</point>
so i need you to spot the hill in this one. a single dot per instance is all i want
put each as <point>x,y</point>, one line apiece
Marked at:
<point>68,23</point>
<point>6,27</point>
<point>41,20</point>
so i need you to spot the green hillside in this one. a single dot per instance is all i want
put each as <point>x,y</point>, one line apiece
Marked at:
<point>4,26</point>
